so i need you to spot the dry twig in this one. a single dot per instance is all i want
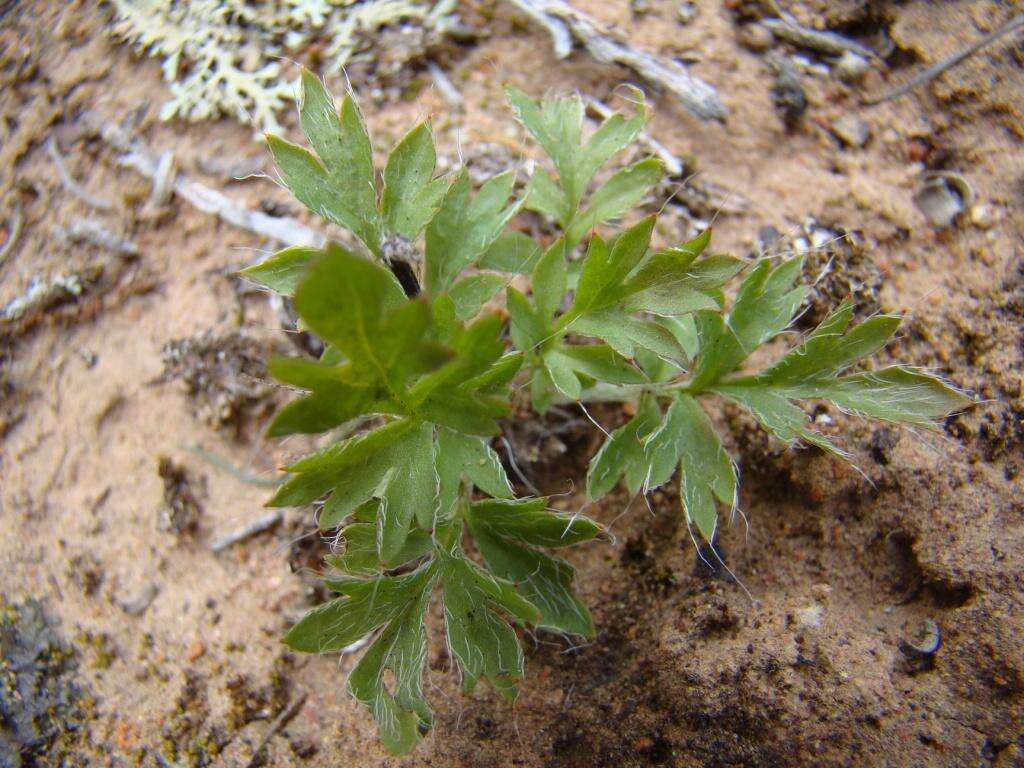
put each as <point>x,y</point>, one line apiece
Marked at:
<point>566,24</point>
<point>13,232</point>
<point>284,229</point>
<point>949,62</point>
<point>824,42</point>
<point>72,186</point>
<point>257,526</point>
<point>89,231</point>
<point>280,722</point>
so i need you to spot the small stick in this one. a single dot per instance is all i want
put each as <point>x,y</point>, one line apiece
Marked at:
<point>162,180</point>
<point>17,220</point>
<point>445,86</point>
<point>259,525</point>
<point>823,42</point>
<point>949,62</point>
<point>285,230</point>
<point>786,27</point>
<point>227,466</point>
<point>279,722</point>
<point>72,186</point>
<point>699,98</point>
<point>88,231</point>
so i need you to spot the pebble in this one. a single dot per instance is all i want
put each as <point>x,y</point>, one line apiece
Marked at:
<point>850,68</point>
<point>686,12</point>
<point>983,216</point>
<point>851,130</point>
<point>756,37</point>
<point>196,650</point>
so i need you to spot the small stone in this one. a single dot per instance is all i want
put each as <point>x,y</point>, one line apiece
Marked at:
<point>850,68</point>
<point>686,12</point>
<point>756,37</point>
<point>983,216</point>
<point>640,7</point>
<point>851,131</point>
<point>195,651</point>
<point>810,616</point>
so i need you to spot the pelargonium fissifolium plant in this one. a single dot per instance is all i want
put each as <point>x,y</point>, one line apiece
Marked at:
<point>416,376</point>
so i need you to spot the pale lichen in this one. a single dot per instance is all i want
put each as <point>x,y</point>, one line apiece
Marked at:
<point>226,57</point>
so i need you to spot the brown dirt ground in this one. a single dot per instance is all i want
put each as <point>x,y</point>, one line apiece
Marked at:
<point>686,670</point>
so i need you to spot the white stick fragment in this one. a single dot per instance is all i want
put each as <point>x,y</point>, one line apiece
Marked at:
<point>566,23</point>
<point>285,229</point>
<point>72,186</point>
<point>257,526</point>
<point>88,231</point>
<point>163,180</point>
<point>823,42</point>
<point>445,86</point>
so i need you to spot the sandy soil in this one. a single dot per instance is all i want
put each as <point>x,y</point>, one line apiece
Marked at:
<point>177,648</point>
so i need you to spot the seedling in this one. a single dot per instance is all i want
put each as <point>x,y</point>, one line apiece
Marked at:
<point>415,378</point>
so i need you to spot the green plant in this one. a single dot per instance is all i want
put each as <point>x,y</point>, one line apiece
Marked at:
<point>417,380</point>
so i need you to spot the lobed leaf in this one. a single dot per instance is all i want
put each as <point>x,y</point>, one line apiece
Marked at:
<point>511,252</point>
<point>481,640</point>
<point>283,271</point>
<point>620,193</point>
<point>623,454</point>
<point>411,195</point>
<point>463,229</point>
<point>340,186</point>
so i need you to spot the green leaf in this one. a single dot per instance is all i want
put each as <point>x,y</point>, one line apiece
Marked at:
<point>402,715</point>
<point>475,349</point>
<point>663,448</point>
<point>550,280</point>
<point>671,282</point>
<point>460,456</point>
<point>318,473</point>
<point>411,195</point>
<point>604,270</point>
<point>620,193</point>
<point>411,492</point>
<point>511,252</point>
<point>613,135</point>
<point>345,300</point>
<point>897,394</point>
<point>463,229</point>
<point>471,293</point>
<point>707,472</point>
<point>558,126</point>
<point>827,351</point>
<point>598,361</point>
<point>480,639</point>
<point>283,271</point>
<point>495,380</point>
<point>359,538</point>
<point>778,415</point>
<point>527,329</point>
<point>720,350</point>
<point>365,605</point>
<point>543,580</point>
<point>341,189</point>
<point>625,333</point>
<point>330,406</point>
<point>529,521</point>
<point>560,371</point>
<point>471,414</point>
<point>545,196</point>
<point>766,302</point>
<point>623,454</point>
<point>357,487</point>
